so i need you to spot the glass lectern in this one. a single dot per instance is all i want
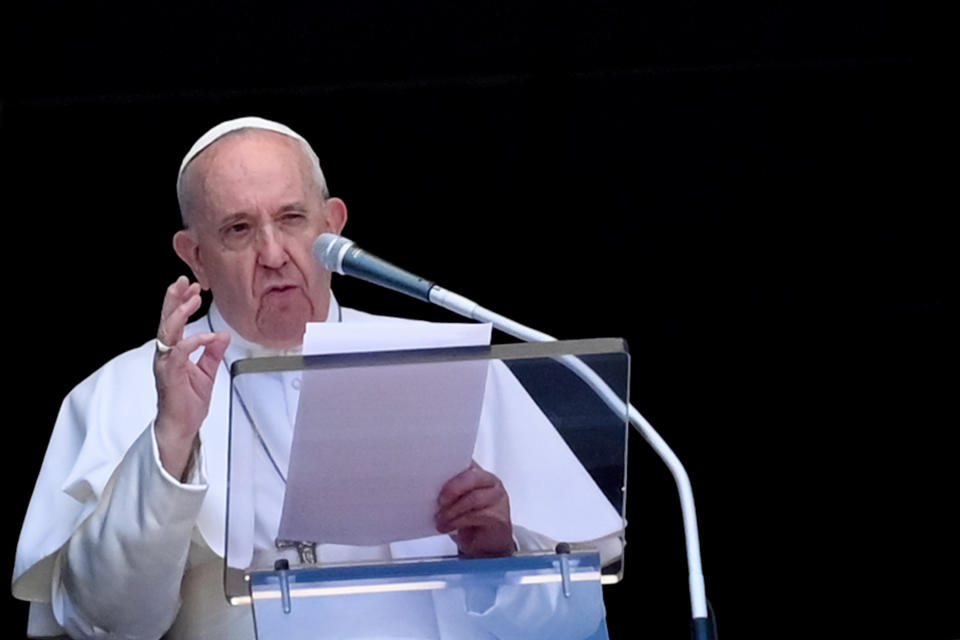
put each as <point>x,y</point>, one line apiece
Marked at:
<point>336,462</point>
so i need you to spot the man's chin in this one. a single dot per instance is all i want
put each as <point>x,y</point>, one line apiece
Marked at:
<point>282,325</point>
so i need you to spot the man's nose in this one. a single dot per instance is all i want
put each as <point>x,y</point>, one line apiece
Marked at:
<point>271,248</point>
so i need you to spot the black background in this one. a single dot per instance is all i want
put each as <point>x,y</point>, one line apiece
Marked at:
<point>752,195</point>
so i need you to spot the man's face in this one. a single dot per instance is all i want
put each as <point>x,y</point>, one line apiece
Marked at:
<point>254,217</point>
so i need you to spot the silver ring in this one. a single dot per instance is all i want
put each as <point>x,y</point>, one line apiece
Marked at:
<point>163,348</point>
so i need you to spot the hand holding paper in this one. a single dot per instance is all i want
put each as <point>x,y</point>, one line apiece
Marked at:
<point>476,506</point>
<point>374,446</point>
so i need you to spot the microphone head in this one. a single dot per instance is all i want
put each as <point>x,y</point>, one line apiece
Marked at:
<point>329,250</point>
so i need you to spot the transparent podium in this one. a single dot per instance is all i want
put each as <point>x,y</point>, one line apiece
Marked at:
<point>336,463</point>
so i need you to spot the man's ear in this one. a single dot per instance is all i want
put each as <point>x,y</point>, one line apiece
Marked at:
<point>336,214</point>
<point>189,251</point>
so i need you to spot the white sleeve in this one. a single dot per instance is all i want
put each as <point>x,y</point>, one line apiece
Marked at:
<point>119,574</point>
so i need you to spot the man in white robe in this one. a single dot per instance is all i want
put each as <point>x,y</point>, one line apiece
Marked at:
<point>124,534</point>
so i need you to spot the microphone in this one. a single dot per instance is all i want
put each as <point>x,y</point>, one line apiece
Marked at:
<point>343,256</point>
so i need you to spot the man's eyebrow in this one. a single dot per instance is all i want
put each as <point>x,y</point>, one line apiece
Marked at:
<point>233,218</point>
<point>293,206</point>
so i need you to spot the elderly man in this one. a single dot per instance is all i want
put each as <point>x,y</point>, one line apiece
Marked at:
<point>124,534</point>
<point>253,202</point>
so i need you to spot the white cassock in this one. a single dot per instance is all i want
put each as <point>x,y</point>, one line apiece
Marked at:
<point>114,547</point>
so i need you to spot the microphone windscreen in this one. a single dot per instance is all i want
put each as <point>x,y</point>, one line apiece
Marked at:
<point>328,249</point>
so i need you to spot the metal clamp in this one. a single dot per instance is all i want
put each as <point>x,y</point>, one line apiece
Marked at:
<point>563,550</point>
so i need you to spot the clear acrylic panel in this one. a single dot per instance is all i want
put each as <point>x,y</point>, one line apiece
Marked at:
<point>557,446</point>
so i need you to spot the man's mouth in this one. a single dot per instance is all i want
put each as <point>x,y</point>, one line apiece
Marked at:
<point>280,289</point>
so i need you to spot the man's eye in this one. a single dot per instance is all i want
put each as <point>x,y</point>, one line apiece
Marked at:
<point>294,218</point>
<point>237,229</point>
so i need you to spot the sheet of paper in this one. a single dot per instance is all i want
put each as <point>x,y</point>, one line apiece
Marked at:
<point>324,338</point>
<point>372,446</point>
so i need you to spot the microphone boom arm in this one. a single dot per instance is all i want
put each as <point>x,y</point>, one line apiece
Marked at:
<point>698,599</point>
<point>340,255</point>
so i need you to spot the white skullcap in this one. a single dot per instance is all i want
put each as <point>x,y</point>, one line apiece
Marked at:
<point>222,129</point>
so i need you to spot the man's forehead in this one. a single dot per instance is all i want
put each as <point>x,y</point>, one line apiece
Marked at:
<point>262,161</point>
<point>246,168</point>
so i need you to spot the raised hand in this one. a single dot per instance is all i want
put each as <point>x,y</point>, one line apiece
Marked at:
<point>183,387</point>
<point>475,505</point>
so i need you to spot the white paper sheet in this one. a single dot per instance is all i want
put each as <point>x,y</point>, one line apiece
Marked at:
<point>372,446</point>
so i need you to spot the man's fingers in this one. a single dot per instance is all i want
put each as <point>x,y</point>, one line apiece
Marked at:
<point>213,353</point>
<point>475,501</point>
<point>176,294</point>
<point>188,345</point>
<point>473,478</point>
<point>171,326</point>
<point>173,295</point>
<point>486,518</point>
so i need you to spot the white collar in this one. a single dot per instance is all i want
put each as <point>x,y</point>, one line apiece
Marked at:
<point>241,348</point>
